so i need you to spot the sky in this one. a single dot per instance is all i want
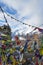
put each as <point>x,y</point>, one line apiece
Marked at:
<point>27,11</point>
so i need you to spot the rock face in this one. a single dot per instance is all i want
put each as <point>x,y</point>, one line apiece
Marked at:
<point>6,30</point>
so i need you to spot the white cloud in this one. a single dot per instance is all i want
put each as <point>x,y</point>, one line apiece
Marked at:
<point>1,16</point>
<point>21,6</point>
<point>35,20</point>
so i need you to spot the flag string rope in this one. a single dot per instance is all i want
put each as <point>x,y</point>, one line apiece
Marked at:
<point>17,20</point>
